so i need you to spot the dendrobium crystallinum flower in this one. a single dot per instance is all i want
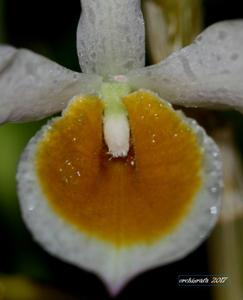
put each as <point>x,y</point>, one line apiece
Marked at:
<point>121,182</point>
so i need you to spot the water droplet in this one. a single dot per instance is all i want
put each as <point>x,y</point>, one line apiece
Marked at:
<point>132,163</point>
<point>78,173</point>
<point>142,117</point>
<point>67,162</point>
<point>74,139</point>
<point>214,190</point>
<point>213,210</point>
<point>215,154</point>
<point>31,207</point>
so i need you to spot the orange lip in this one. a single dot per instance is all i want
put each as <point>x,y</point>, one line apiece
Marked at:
<point>124,201</point>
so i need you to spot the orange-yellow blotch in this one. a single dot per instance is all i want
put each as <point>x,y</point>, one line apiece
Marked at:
<point>123,201</point>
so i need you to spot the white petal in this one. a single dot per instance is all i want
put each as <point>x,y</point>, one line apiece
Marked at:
<point>110,37</point>
<point>116,266</point>
<point>208,73</point>
<point>33,87</point>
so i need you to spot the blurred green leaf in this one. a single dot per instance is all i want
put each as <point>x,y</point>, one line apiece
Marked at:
<point>13,138</point>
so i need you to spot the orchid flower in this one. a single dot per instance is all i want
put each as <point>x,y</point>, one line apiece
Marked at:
<point>121,182</point>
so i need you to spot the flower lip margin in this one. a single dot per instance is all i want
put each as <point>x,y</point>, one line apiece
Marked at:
<point>79,249</point>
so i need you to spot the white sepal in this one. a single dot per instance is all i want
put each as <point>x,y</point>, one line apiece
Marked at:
<point>110,36</point>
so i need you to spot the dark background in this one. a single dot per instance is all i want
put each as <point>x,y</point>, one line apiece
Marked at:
<point>49,28</point>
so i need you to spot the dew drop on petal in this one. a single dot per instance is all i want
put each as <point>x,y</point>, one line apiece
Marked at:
<point>214,190</point>
<point>31,207</point>
<point>213,210</point>
<point>215,154</point>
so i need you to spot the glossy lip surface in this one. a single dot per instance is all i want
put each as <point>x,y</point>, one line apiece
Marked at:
<point>124,201</point>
